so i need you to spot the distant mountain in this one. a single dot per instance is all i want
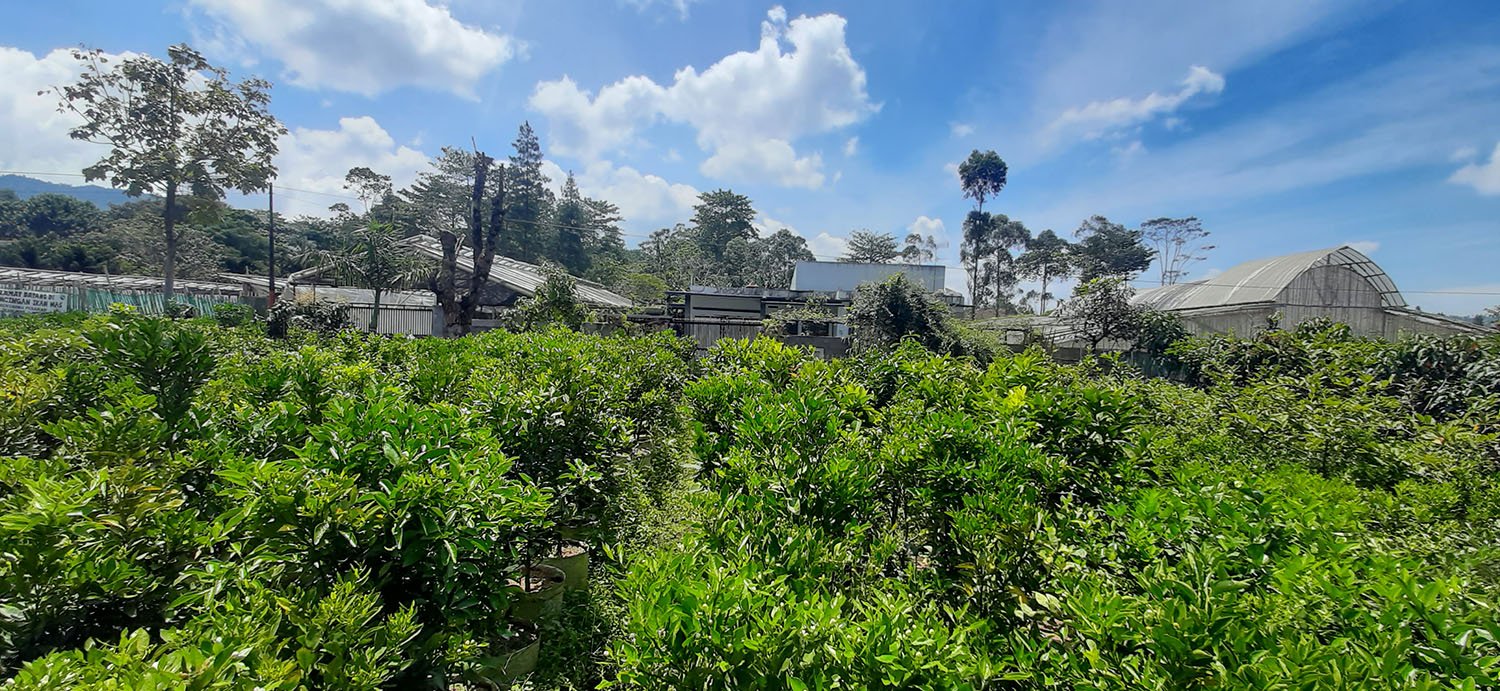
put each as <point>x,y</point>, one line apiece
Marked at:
<point>25,187</point>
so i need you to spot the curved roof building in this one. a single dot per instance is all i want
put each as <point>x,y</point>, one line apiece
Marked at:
<point>1339,283</point>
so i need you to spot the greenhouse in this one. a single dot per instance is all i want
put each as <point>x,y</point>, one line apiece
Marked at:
<point>1341,284</point>
<point>37,291</point>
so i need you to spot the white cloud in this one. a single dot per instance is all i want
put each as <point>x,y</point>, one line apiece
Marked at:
<point>646,201</point>
<point>590,127</point>
<point>926,225</point>
<point>362,46</point>
<point>827,247</point>
<point>824,246</point>
<point>33,135</point>
<point>1101,117</point>
<point>765,225</point>
<point>747,109</point>
<point>960,129</point>
<point>851,146</point>
<point>766,160</point>
<point>1366,247</point>
<point>1128,152</point>
<point>1104,50</point>
<point>1464,154</point>
<point>314,160</point>
<point>1483,177</point>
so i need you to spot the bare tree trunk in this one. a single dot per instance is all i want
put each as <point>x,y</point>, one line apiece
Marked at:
<point>973,289</point>
<point>375,313</point>
<point>458,308</point>
<point>484,241</point>
<point>169,263</point>
<point>1043,310</point>
<point>442,283</point>
<point>999,275</point>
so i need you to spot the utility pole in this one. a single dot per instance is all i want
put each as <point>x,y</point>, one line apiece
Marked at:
<point>271,260</point>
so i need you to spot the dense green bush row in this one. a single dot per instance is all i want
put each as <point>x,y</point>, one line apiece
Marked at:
<point>906,520</point>
<point>192,504</point>
<point>184,505</point>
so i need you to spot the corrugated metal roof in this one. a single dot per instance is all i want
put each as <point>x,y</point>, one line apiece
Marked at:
<point>520,276</point>
<point>365,296</point>
<point>43,277</point>
<point>1262,280</point>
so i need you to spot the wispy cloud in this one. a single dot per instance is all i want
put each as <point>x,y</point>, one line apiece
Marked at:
<point>1483,177</point>
<point>1399,116</point>
<point>1099,118</point>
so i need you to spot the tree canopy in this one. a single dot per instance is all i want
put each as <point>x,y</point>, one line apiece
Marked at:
<point>871,248</point>
<point>1108,249</point>
<point>982,176</point>
<point>171,126</point>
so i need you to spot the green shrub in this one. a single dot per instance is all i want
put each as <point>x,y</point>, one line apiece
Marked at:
<point>232,314</point>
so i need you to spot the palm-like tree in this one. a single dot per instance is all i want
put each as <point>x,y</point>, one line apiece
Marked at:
<point>373,256</point>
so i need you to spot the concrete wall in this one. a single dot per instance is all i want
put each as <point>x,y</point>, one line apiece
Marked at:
<point>844,276</point>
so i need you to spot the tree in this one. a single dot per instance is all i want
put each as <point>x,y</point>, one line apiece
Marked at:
<point>55,215</point>
<point>573,229</point>
<point>1047,257</point>
<point>1178,242</point>
<point>1108,249</point>
<point>778,256</point>
<point>527,235</point>
<point>604,221</point>
<point>871,248</point>
<point>978,228</point>
<point>1006,235</point>
<point>371,187</point>
<point>553,304</point>
<point>721,216</point>
<point>439,198</point>
<point>459,299</point>
<point>642,289</point>
<point>141,248</point>
<point>884,313</point>
<point>918,248</point>
<point>982,176</point>
<point>1100,309</point>
<point>170,125</point>
<point>373,256</point>
<point>676,257</point>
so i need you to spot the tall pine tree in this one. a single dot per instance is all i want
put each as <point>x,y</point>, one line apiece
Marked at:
<point>527,236</point>
<point>572,228</point>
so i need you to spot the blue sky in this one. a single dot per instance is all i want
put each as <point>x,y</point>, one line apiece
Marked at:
<point>1285,126</point>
